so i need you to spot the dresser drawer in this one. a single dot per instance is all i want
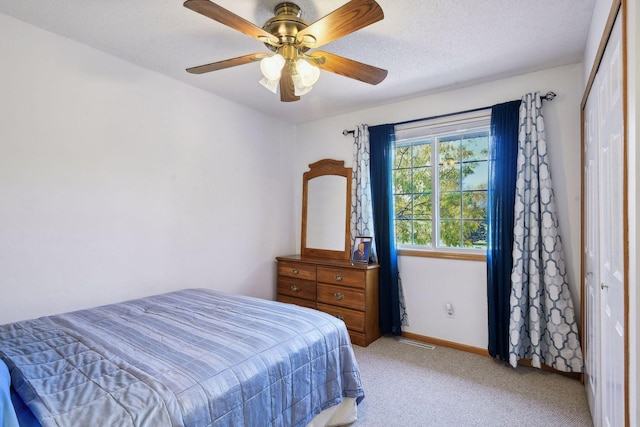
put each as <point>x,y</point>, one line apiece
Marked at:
<point>342,276</point>
<point>299,271</point>
<point>297,288</point>
<point>352,318</point>
<point>342,296</point>
<point>296,301</point>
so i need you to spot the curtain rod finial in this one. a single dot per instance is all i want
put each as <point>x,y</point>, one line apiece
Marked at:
<point>549,96</point>
<point>347,132</point>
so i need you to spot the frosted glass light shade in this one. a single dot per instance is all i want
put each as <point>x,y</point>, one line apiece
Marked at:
<point>298,86</point>
<point>307,72</point>
<point>271,66</point>
<point>272,85</point>
<point>305,77</point>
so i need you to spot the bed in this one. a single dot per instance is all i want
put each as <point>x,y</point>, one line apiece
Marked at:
<point>193,357</point>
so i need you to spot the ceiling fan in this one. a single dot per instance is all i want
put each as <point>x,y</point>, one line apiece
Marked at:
<point>289,37</point>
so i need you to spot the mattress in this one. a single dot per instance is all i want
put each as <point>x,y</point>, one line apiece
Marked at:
<point>193,357</point>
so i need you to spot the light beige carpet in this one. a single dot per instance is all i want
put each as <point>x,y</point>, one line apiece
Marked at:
<point>406,385</point>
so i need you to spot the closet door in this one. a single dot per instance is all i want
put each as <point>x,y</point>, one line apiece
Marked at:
<point>591,278</point>
<point>604,237</point>
<point>611,229</point>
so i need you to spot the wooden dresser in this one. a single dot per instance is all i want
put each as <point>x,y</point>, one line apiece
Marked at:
<point>345,290</point>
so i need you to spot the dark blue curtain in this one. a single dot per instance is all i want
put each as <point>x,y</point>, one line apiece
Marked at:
<point>503,151</point>
<point>381,140</point>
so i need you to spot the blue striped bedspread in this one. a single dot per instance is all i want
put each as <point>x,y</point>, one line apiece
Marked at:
<point>194,357</point>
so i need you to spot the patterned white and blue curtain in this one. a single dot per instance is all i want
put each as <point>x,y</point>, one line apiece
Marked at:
<point>393,312</point>
<point>361,207</point>
<point>542,324</point>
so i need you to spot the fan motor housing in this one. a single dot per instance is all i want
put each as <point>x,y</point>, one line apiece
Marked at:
<point>285,24</point>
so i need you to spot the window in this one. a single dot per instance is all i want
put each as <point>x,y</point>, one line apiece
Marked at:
<point>440,174</point>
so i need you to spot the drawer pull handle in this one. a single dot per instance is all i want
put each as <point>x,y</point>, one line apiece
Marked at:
<point>338,296</point>
<point>339,278</point>
<point>339,316</point>
<point>295,271</point>
<point>294,288</point>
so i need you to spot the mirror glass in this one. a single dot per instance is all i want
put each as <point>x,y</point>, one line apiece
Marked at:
<point>326,205</point>
<point>326,212</point>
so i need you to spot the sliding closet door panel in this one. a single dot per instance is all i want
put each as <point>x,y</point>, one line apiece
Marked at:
<point>591,263</point>
<point>611,221</point>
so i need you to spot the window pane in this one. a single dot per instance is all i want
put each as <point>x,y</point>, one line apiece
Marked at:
<point>403,208</point>
<point>474,205</point>
<point>422,180</point>
<point>402,157</point>
<point>422,206</point>
<point>403,232</point>
<point>402,181</point>
<point>422,233</point>
<point>422,155</point>
<point>450,177</point>
<point>449,151</point>
<point>450,205</point>
<point>450,233</point>
<point>475,234</point>
<point>475,147</point>
<point>475,175</point>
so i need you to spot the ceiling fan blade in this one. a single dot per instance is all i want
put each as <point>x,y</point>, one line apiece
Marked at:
<point>222,15</point>
<point>287,89</point>
<point>227,63</point>
<point>345,20</point>
<point>349,68</point>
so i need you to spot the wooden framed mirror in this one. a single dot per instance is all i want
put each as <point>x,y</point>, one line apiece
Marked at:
<point>326,210</point>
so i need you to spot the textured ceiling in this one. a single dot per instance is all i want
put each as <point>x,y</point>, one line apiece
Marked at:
<point>426,45</point>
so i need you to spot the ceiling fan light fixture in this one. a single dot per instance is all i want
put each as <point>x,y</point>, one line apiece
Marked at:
<point>271,66</point>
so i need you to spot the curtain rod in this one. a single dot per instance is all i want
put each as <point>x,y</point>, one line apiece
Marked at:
<point>546,97</point>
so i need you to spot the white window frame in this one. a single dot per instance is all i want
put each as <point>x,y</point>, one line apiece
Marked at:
<point>433,129</point>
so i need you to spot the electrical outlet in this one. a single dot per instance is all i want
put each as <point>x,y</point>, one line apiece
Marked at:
<point>449,309</point>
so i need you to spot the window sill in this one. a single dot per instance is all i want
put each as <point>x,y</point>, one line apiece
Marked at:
<point>444,255</point>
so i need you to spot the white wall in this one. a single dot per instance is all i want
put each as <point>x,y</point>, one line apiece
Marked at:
<point>116,182</point>
<point>430,283</point>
